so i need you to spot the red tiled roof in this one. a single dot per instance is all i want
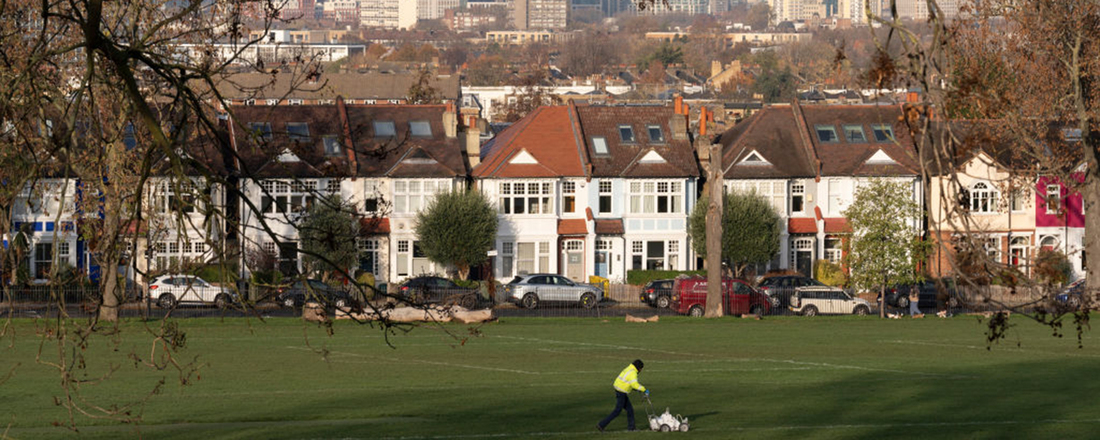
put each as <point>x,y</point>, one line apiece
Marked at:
<point>374,226</point>
<point>572,226</point>
<point>837,226</point>
<point>801,226</point>
<point>547,135</point>
<point>610,227</point>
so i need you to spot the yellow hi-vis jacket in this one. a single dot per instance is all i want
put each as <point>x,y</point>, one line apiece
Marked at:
<point>628,380</point>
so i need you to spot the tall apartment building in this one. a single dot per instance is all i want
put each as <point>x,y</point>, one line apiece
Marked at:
<point>539,14</point>
<point>434,9</point>
<point>388,14</point>
<point>341,10</point>
<point>798,10</point>
<point>689,7</point>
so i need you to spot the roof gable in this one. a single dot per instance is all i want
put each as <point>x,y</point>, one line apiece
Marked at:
<point>523,158</point>
<point>652,157</point>
<point>880,158</point>
<point>542,144</point>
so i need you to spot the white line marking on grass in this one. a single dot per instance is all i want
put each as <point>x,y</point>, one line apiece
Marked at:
<point>593,344</point>
<point>766,428</point>
<point>854,367</point>
<point>998,348</point>
<point>445,364</point>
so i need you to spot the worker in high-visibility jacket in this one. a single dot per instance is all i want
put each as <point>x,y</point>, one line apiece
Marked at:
<point>624,384</point>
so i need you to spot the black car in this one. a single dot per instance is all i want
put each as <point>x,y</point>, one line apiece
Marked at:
<point>657,293</point>
<point>898,295</point>
<point>780,288</point>
<point>437,290</point>
<point>301,292</point>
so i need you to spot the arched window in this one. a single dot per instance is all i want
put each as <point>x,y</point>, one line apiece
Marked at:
<point>1048,243</point>
<point>983,198</point>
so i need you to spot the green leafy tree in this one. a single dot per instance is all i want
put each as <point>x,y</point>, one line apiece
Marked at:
<point>750,230</point>
<point>457,228</point>
<point>328,234</point>
<point>886,243</point>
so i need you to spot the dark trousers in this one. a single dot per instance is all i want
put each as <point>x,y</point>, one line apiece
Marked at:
<point>622,401</point>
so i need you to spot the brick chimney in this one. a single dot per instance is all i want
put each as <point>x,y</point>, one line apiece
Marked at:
<point>472,141</point>
<point>450,120</point>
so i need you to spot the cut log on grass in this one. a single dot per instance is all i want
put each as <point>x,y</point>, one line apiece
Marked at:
<point>749,315</point>
<point>314,312</point>
<point>632,318</point>
<point>472,316</point>
<point>413,314</point>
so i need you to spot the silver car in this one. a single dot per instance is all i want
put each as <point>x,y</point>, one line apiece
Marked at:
<point>531,290</point>
<point>169,290</point>
<point>814,300</point>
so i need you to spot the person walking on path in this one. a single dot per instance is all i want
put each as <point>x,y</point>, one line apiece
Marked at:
<point>626,382</point>
<point>914,298</point>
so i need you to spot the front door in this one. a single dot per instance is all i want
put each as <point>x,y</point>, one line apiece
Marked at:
<point>288,258</point>
<point>803,249</point>
<point>574,260</point>
<point>804,263</point>
<point>601,263</point>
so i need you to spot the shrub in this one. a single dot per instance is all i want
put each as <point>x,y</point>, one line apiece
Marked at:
<point>218,273</point>
<point>641,277</point>
<point>1052,267</point>
<point>830,273</point>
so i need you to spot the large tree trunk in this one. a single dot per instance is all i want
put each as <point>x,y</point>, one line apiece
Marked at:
<point>714,234</point>
<point>1092,223</point>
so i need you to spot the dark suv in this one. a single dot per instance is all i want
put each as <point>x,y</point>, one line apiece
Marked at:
<point>438,290</point>
<point>657,293</point>
<point>303,291</point>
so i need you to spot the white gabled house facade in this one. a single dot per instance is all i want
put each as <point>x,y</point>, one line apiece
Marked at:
<point>591,191</point>
<point>808,161</point>
<point>386,161</point>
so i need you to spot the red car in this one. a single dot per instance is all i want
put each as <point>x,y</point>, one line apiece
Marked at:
<point>689,297</point>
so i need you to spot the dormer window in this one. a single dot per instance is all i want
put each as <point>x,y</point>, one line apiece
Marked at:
<point>332,145</point>
<point>883,133</point>
<point>854,134</point>
<point>420,129</point>
<point>384,129</point>
<point>599,145</point>
<point>298,131</point>
<point>826,133</point>
<point>626,134</point>
<point>655,134</point>
<point>261,130</point>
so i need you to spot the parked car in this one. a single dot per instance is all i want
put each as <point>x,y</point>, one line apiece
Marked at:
<point>689,297</point>
<point>438,290</point>
<point>170,290</point>
<point>814,300</point>
<point>657,293</point>
<point>531,290</point>
<point>1072,295</point>
<point>898,295</point>
<point>783,286</point>
<point>302,291</point>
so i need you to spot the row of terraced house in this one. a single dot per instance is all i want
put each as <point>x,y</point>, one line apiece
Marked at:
<point>580,190</point>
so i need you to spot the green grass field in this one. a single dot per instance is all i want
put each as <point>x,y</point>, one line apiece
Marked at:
<point>783,377</point>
